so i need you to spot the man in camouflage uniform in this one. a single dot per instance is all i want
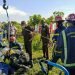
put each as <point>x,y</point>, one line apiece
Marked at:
<point>27,32</point>
<point>45,39</point>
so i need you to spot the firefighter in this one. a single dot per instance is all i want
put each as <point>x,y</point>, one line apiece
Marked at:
<point>66,45</point>
<point>45,39</point>
<point>27,32</point>
<point>60,27</point>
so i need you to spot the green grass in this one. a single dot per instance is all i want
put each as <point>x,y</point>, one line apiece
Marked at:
<point>37,55</point>
<point>36,70</point>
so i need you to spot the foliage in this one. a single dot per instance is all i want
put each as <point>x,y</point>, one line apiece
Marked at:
<point>36,42</point>
<point>49,20</point>
<point>35,19</point>
<point>36,70</point>
<point>18,26</point>
<point>58,13</point>
<point>37,45</point>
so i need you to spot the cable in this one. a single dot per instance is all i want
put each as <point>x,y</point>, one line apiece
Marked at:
<point>5,7</point>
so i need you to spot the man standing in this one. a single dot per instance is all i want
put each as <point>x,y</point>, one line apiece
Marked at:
<point>60,27</point>
<point>27,32</point>
<point>45,39</point>
<point>66,45</point>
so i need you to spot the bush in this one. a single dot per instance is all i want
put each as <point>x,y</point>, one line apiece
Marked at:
<point>36,44</point>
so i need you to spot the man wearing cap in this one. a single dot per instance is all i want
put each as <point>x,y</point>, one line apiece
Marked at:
<point>66,45</point>
<point>27,32</point>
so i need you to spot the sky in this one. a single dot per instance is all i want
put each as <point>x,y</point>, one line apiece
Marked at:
<point>21,9</point>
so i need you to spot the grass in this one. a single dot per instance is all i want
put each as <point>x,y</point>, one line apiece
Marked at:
<point>36,70</point>
<point>37,55</point>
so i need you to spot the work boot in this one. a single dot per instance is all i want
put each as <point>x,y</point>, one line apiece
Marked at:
<point>31,63</point>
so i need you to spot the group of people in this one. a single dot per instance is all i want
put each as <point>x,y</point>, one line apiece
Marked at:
<point>64,45</point>
<point>63,38</point>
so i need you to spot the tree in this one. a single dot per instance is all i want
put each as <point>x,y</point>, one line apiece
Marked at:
<point>35,19</point>
<point>49,20</point>
<point>58,13</point>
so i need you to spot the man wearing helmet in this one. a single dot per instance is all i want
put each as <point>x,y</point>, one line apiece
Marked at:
<point>66,45</point>
<point>60,27</point>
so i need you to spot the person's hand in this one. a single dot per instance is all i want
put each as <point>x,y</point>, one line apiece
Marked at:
<point>31,33</point>
<point>50,44</point>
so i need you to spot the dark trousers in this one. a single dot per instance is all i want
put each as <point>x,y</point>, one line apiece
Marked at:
<point>71,71</point>
<point>55,59</point>
<point>28,47</point>
<point>45,50</point>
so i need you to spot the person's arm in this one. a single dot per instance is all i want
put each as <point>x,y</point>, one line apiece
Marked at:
<point>48,32</point>
<point>23,32</point>
<point>18,46</point>
<point>58,50</point>
<point>32,33</point>
<point>59,45</point>
<point>54,36</point>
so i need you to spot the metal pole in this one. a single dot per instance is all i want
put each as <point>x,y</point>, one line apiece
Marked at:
<point>9,23</point>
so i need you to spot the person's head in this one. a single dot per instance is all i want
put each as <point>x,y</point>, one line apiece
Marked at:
<point>12,39</point>
<point>42,22</point>
<point>23,24</point>
<point>71,19</point>
<point>59,21</point>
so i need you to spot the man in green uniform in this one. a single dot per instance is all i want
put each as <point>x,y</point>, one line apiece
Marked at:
<point>27,32</point>
<point>45,39</point>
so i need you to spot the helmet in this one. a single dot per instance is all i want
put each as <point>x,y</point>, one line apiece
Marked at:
<point>58,18</point>
<point>12,39</point>
<point>71,17</point>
